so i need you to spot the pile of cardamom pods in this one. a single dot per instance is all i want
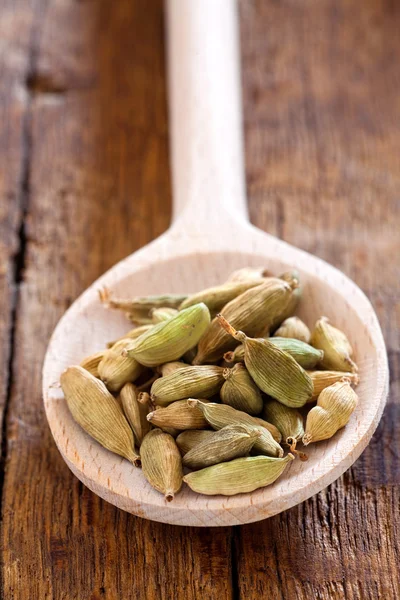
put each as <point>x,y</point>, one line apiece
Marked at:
<point>213,385</point>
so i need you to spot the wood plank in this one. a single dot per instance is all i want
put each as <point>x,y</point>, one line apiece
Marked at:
<point>99,189</point>
<point>321,94</point>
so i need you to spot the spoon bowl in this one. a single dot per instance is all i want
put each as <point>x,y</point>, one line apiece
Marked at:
<point>211,237</point>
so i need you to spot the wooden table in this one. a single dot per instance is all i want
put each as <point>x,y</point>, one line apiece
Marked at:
<point>85,181</point>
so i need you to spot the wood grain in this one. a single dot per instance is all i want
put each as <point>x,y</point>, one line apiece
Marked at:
<point>322,155</point>
<point>322,140</point>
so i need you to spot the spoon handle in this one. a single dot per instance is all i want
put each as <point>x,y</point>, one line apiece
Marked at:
<point>205,110</point>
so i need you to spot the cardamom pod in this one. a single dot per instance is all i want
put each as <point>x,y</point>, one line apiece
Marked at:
<point>334,407</point>
<point>221,415</point>
<point>135,411</point>
<point>293,327</point>
<point>336,347</point>
<point>140,303</point>
<point>170,367</point>
<point>132,334</point>
<point>187,440</point>
<point>253,312</point>
<point>158,315</point>
<point>115,369</point>
<point>238,476</point>
<point>91,363</point>
<point>304,354</point>
<point>248,274</point>
<point>289,421</point>
<point>293,278</point>
<point>178,415</point>
<point>216,297</point>
<point>162,463</point>
<point>97,412</point>
<point>240,391</point>
<point>323,379</point>
<point>170,339</point>
<point>153,316</point>
<point>198,382</point>
<point>274,371</point>
<point>227,443</point>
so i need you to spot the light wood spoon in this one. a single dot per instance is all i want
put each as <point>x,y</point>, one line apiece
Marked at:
<point>210,236</point>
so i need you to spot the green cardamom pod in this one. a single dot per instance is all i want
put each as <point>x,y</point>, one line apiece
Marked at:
<point>170,367</point>
<point>199,382</point>
<point>170,339</point>
<point>135,411</point>
<point>334,407</point>
<point>230,442</point>
<point>293,278</point>
<point>162,463</point>
<point>216,297</point>
<point>158,315</point>
<point>304,354</point>
<point>289,421</point>
<point>238,476</point>
<point>248,274</point>
<point>187,440</point>
<point>178,415</point>
<point>98,412</point>
<point>221,415</point>
<point>336,347</point>
<point>91,363</point>
<point>294,328</point>
<point>132,334</point>
<point>323,379</point>
<point>274,371</point>
<point>240,391</point>
<point>141,303</point>
<point>252,312</point>
<point>115,369</point>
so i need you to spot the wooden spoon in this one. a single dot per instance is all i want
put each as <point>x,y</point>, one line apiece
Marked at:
<point>210,237</point>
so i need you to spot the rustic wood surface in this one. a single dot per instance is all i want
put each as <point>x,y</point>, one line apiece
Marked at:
<point>85,181</point>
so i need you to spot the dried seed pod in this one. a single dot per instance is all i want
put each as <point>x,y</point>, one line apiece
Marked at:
<point>334,407</point>
<point>275,372</point>
<point>91,363</point>
<point>178,415</point>
<point>200,382</point>
<point>238,476</point>
<point>132,334</point>
<point>235,356</point>
<point>187,440</point>
<point>171,367</point>
<point>216,297</point>
<point>248,274</point>
<point>240,391</point>
<point>158,315</point>
<point>294,328</point>
<point>140,303</point>
<point>221,415</point>
<point>115,369</point>
<point>336,347</point>
<point>162,463</point>
<point>323,379</point>
<point>170,339</point>
<point>97,412</point>
<point>304,354</point>
<point>135,411</point>
<point>227,443</point>
<point>253,312</point>
<point>289,421</point>
<point>293,278</point>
